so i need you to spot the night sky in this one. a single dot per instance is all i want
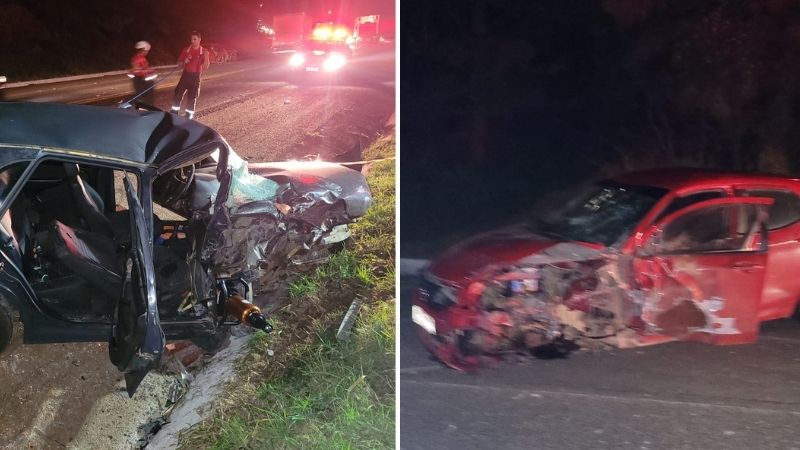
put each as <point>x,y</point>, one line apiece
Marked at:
<point>502,102</point>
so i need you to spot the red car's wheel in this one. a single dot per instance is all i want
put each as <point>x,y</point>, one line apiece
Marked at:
<point>446,349</point>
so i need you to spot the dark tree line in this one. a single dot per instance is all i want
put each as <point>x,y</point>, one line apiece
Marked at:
<point>517,97</point>
<point>53,37</point>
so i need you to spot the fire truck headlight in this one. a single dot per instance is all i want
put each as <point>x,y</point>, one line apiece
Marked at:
<point>297,59</point>
<point>334,62</point>
<point>340,33</point>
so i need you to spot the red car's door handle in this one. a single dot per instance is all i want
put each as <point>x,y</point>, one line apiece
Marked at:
<point>746,266</point>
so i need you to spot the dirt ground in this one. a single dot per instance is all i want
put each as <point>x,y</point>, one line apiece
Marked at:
<point>59,381</point>
<point>57,396</point>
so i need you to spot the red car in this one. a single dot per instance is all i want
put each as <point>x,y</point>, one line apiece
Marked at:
<point>643,258</point>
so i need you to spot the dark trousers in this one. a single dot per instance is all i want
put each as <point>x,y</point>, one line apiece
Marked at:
<point>140,85</point>
<point>189,83</point>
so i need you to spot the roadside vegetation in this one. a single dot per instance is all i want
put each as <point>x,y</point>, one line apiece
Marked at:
<point>301,387</point>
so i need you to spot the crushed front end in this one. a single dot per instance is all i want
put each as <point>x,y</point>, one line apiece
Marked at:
<point>571,296</point>
<point>281,214</point>
<point>248,224</point>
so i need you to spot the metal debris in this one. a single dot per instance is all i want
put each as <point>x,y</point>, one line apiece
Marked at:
<point>349,320</point>
<point>176,391</point>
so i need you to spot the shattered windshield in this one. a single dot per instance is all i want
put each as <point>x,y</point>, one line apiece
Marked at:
<point>602,212</point>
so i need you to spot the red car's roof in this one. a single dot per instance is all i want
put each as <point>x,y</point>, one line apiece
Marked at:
<point>677,178</point>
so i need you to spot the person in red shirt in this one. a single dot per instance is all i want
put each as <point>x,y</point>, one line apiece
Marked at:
<point>141,73</point>
<point>193,60</point>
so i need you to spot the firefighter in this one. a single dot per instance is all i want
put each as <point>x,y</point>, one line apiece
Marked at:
<point>141,73</point>
<point>193,60</point>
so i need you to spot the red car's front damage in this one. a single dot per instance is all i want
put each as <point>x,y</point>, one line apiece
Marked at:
<point>563,292</point>
<point>477,301</point>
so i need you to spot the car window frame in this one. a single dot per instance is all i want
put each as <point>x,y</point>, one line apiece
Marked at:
<point>746,191</point>
<point>636,240</point>
<point>655,230</point>
<point>66,157</point>
<point>665,211</point>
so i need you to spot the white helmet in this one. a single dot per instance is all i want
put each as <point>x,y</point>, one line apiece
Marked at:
<point>143,45</point>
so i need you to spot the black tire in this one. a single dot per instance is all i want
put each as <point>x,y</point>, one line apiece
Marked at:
<point>6,325</point>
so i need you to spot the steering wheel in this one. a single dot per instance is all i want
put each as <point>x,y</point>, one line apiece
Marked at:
<point>177,184</point>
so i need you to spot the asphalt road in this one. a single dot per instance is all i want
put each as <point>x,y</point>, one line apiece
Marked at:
<point>48,391</point>
<point>671,396</point>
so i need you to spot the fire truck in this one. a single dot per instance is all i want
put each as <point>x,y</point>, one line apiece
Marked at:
<point>289,31</point>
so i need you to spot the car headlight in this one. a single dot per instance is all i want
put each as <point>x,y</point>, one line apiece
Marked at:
<point>334,62</point>
<point>297,59</point>
<point>437,293</point>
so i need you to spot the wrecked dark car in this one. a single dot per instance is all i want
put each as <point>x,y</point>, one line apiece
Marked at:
<point>138,227</point>
<point>644,258</point>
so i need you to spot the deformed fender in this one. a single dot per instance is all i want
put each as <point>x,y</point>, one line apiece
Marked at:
<point>6,324</point>
<point>15,294</point>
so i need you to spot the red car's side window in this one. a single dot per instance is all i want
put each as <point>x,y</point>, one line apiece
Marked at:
<point>687,200</point>
<point>724,228</point>
<point>784,212</point>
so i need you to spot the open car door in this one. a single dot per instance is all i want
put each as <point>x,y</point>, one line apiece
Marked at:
<point>137,340</point>
<point>702,269</point>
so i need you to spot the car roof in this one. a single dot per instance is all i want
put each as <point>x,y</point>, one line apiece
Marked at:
<point>148,137</point>
<point>682,177</point>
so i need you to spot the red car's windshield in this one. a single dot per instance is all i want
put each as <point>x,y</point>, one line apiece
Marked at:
<point>603,212</point>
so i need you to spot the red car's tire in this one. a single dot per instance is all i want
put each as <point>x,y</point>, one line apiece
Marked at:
<point>447,352</point>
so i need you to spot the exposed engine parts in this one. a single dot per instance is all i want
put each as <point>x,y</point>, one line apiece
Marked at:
<point>238,306</point>
<point>275,215</point>
<point>526,307</point>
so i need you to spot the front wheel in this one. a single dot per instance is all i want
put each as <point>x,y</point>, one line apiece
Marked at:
<point>447,350</point>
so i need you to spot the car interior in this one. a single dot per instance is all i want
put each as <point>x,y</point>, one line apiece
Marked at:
<point>71,231</point>
<point>718,229</point>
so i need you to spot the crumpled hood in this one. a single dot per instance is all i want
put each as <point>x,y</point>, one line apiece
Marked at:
<point>320,182</point>
<point>495,247</point>
<point>506,246</point>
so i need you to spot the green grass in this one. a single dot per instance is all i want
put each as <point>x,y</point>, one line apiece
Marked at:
<point>315,392</point>
<point>342,268</point>
<point>339,396</point>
